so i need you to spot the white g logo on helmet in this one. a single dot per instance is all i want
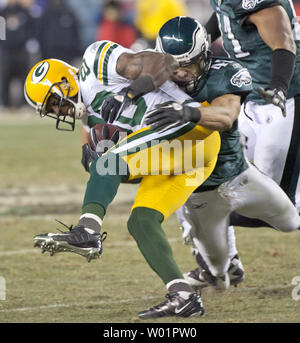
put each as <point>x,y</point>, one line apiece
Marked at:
<point>40,71</point>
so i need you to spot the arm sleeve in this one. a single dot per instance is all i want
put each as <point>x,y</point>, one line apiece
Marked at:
<point>212,27</point>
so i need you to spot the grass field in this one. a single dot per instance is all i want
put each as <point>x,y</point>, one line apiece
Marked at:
<point>42,180</point>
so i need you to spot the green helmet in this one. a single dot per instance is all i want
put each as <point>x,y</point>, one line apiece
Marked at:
<point>186,40</point>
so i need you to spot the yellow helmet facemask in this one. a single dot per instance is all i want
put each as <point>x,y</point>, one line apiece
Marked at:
<point>55,78</point>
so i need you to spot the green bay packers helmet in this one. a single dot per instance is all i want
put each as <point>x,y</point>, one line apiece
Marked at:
<point>186,40</point>
<point>52,77</point>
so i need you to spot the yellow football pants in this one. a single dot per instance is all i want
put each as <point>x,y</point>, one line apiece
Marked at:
<point>171,165</point>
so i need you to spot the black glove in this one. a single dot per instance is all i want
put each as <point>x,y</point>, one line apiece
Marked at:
<point>89,154</point>
<point>273,96</point>
<point>113,105</point>
<point>171,114</point>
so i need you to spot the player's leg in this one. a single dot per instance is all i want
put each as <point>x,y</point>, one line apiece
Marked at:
<point>155,197</point>
<point>257,196</point>
<point>208,215</point>
<point>195,277</point>
<point>158,196</point>
<point>277,149</point>
<point>290,177</point>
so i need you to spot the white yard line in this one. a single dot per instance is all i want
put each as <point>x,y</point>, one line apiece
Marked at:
<point>108,245</point>
<point>18,252</point>
<point>82,305</point>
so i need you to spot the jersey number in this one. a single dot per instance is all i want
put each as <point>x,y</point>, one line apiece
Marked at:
<point>84,70</point>
<point>238,51</point>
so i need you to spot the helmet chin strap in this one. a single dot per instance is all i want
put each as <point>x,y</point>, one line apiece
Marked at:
<point>80,108</point>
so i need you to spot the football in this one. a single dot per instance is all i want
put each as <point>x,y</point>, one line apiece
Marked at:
<point>102,131</point>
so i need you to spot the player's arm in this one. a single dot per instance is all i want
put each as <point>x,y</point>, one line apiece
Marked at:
<point>274,27</point>
<point>147,70</point>
<point>222,113</point>
<point>158,67</point>
<point>219,116</point>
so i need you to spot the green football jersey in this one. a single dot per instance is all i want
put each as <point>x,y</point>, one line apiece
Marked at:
<point>244,43</point>
<point>225,77</point>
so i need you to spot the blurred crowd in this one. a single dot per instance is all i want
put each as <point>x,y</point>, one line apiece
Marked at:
<point>38,29</point>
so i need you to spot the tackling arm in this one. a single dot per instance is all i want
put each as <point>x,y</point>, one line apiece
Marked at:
<point>222,113</point>
<point>219,116</point>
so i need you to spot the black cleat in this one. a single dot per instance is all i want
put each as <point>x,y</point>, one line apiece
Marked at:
<point>79,240</point>
<point>176,305</point>
<point>200,278</point>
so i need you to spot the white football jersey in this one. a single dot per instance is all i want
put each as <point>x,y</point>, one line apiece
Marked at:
<point>99,79</point>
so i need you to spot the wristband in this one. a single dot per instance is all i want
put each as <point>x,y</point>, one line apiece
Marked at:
<point>195,114</point>
<point>283,63</point>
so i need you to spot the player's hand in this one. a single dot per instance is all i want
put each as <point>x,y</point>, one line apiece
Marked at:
<point>171,114</point>
<point>88,156</point>
<point>275,97</point>
<point>114,105</point>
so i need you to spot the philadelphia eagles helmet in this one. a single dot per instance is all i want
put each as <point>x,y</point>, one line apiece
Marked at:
<point>186,40</point>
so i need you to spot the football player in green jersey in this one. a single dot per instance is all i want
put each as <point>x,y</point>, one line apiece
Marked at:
<point>234,185</point>
<point>264,36</point>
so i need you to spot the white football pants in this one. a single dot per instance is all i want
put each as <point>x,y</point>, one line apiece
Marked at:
<point>251,194</point>
<point>273,142</point>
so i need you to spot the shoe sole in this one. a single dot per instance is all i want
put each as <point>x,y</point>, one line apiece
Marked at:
<point>198,285</point>
<point>53,247</point>
<point>236,281</point>
<point>145,316</point>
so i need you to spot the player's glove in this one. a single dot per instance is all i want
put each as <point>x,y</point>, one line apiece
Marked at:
<point>89,154</point>
<point>170,114</point>
<point>274,96</point>
<point>114,105</point>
